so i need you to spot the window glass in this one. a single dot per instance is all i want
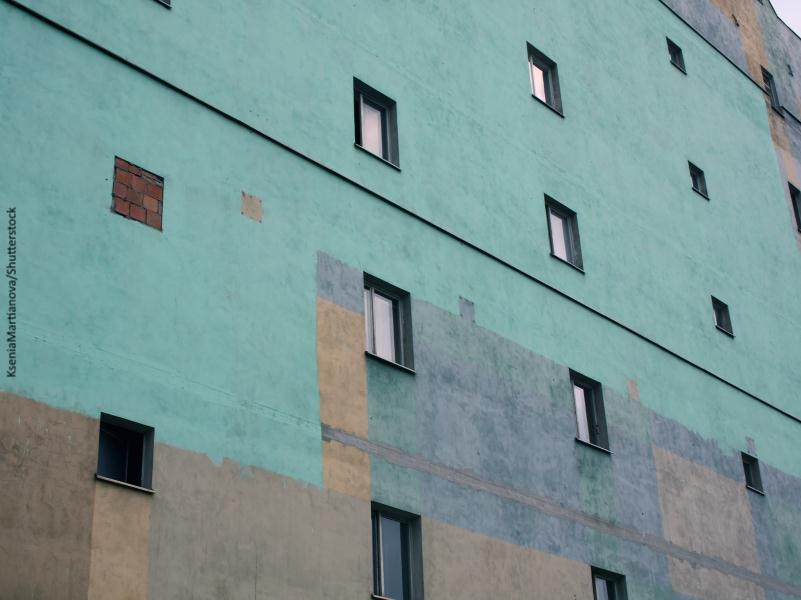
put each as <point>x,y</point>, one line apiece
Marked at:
<point>113,454</point>
<point>368,319</point>
<point>558,237</point>
<point>602,589</point>
<point>581,413</point>
<point>538,82</point>
<point>372,128</point>
<point>393,555</point>
<point>384,326</point>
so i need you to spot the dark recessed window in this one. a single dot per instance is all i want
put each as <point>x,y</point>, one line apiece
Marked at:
<point>563,232</point>
<point>753,478</point>
<point>396,554</point>
<point>125,451</point>
<point>590,415</point>
<point>376,122</point>
<point>769,85</point>
<point>676,56</point>
<point>698,180</point>
<point>544,79</point>
<point>607,585</point>
<point>795,198</point>
<point>722,316</point>
<point>387,322</point>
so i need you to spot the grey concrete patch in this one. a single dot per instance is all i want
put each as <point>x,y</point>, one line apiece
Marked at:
<point>340,283</point>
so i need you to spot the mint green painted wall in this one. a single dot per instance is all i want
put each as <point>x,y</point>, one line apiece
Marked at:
<point>112,312</point>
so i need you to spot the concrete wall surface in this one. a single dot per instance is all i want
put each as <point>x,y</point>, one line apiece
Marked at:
<point>237,331</point>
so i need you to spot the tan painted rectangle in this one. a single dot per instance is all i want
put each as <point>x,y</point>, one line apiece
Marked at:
<point>120,543</point>
<point>708,584</point>
<point>470,566</point>
<point>346,470</point>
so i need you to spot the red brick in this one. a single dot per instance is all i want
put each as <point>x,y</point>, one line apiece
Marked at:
<point>138,213</point>
<point>138,184</point>
<point>122,164</point>
<point>134,170</point>
<point>155,191</point>
<point>120,191</point>
<point>121,176</point>
<point>151,204</point>
<point>154,220</point>
<point>121,206</point>
<point>135,197</point>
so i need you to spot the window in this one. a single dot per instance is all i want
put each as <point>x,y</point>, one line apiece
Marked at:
<point>753,479</point>
<point>698,180</point>
<point>607,585</point>
<point>376,122</point>
<point>770,89</point>
<point>387,322</point>
<point>676,56</point>
<point>396,554</point>
<point>563,232</point>
<point>137,194</point>
<point>722,316</point>
<point>590,416</point>
<point>125,451</point>
<point>544,79</point>
<point>795,197</point>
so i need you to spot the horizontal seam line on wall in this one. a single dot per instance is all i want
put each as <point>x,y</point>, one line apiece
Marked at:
<point>141,70</point>
<point>551,508</point>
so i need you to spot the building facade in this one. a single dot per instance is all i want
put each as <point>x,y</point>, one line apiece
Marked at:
<point>313,299</point>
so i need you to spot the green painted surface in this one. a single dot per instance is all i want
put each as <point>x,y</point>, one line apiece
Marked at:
<point>207,330</point>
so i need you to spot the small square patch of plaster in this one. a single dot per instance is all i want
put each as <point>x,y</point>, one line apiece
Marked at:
<point>467,310</point>
<point>251,207</point>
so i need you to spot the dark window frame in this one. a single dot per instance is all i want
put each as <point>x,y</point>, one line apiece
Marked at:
<point>412,564</point>
<point>138,460</point>
<point>795,200</point>
<point>722,315</point>
<point>364,94</point>
<point>595,410</point>
<point>575,257</point>
<point>753,476</point>
<point>769,87</point>
<point>402,322</point>
<point>676,55</point>
<point>165,3</point>
<point>698,180</point>
<point>617,581</point>
<point>550,71</point>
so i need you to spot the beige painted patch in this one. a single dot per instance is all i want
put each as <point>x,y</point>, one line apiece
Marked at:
<point>47,463</point>
<point>346,470</point>
<point>232,532</point>
<point>251,207</point>
<point>708,584</point>
<point>469,566</point>
<point>634,391</point>
<point>704,511</point>
<point>341,368</point>
<point>120,543</point>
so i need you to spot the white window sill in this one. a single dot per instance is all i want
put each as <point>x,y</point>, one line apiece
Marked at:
<point>124,484</point>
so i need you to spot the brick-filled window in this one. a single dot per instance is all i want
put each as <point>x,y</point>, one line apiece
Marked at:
<point>138,194</point>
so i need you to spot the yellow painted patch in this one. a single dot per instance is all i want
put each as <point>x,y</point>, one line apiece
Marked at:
<point>346,470</point>
<point>120,544</point>
<point>469,566</point>
<point>707,584</point>
<point>704,511</point>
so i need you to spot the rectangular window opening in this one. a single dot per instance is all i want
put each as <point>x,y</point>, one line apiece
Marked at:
<point>375,116</point>
<point>387,322</point>
<point>722,316</point>
<point>607,585</point>
<point>795,198</point>
<point>676,56</point>
<point>590,415</point>
<point>769,85</point>
<point>544,77</point>
<point>753,478</point>
<point>698,180</point>
<point>125,451</point>
<point>563,233</point>
<point>397,571</point>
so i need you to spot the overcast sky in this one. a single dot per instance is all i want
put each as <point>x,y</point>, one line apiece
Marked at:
<point>790,12</point>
